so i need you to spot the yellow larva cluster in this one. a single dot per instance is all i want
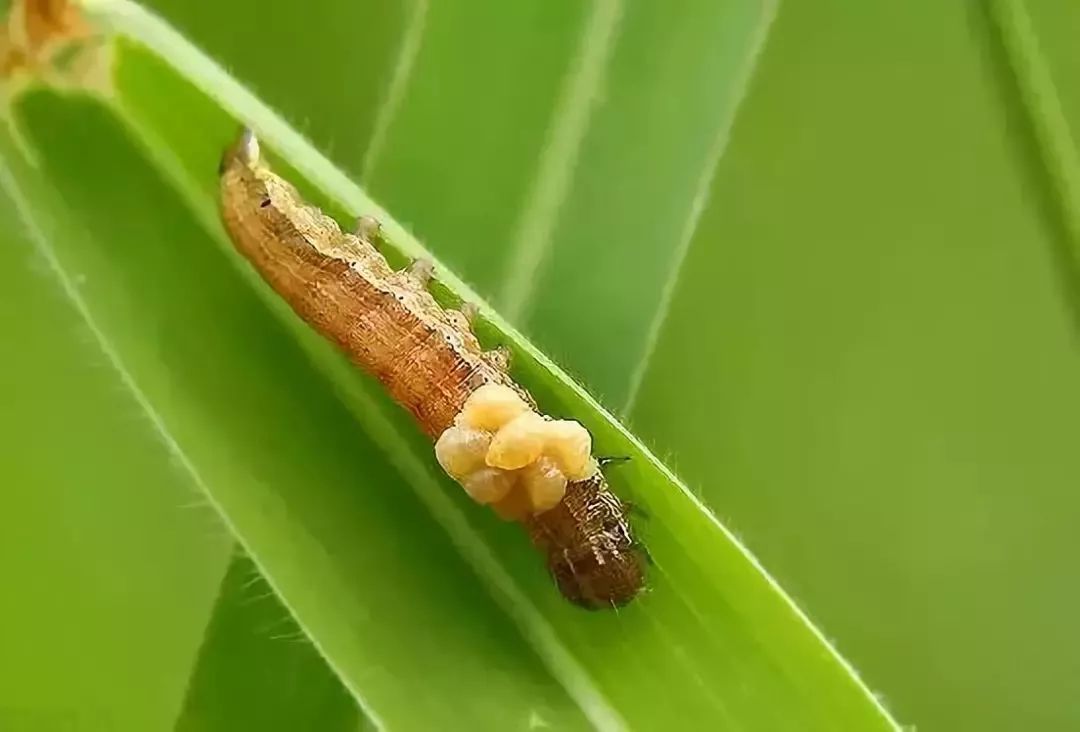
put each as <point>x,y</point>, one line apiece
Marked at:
<point>505,454</point>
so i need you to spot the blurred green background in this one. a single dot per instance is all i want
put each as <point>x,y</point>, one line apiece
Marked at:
<point>815,254</point>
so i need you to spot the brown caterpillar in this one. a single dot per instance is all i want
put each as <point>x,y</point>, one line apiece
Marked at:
<point>429,360</point>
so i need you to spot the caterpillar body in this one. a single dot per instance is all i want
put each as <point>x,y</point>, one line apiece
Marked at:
<point>528,467</point>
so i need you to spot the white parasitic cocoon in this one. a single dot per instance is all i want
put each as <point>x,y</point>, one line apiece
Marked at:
<point>505,454</point>
<point>488,485</point>
<point>519,443</point>
<point>461,450</point>
<point>570,446</point>
<point>545,483</point>
<point>492,406</point>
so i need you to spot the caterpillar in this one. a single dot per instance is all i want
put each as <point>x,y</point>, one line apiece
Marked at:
<point>487,432</point>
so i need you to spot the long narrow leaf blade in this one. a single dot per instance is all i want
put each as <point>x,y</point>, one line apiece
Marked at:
<point>334,493</point>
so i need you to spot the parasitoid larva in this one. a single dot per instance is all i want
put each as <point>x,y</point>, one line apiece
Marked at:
<point>530,468</point>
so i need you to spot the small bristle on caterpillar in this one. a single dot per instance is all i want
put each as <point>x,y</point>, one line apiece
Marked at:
<point>488,433</point>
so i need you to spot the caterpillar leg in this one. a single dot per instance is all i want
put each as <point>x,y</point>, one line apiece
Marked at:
<point>421,270</point>
<point>469,310</point>
<point>367,228</point>
<point>634,509</point>
<point>644,552</point>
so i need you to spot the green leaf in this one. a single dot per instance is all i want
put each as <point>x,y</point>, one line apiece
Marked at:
<point>427,607</point>
<point>890,386</point>
<point>111,559</point>
<point>257,669</point>
<point>336,531</point>
<point>614,215</point>
<point>860,314</point>
<point>332,77</point>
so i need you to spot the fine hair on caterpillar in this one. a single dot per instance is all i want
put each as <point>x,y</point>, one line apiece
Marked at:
<point>488,432</point>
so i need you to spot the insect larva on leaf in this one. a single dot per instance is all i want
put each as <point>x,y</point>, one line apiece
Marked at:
<point>488,433</point>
